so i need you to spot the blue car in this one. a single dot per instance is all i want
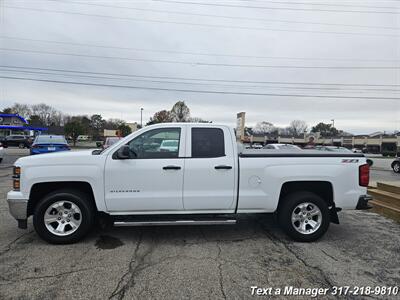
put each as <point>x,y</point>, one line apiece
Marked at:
<point>48,144</point>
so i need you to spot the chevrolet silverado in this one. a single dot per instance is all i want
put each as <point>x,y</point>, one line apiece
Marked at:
<point>201,179</point>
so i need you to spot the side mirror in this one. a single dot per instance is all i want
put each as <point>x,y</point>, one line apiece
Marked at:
<point>123,152</point>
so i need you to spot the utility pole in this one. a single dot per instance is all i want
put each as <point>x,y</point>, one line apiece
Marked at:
<point>141,117</point>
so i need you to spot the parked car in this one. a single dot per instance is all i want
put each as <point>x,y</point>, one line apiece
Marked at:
<point>254,146</point>
<point>20,141</point>
<point>169,146</point>
<point>1,152</point>
<point>396,165</point>
<point>111,141</point>
<point>204,181</point>
<point>333,149</point>
<point>49,143</point>
<point>282,147</point>
<point>83,138</point>
<point>356,150</point>
<point>339,149</point>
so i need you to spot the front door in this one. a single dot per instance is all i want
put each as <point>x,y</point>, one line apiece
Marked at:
<point>152,179</point>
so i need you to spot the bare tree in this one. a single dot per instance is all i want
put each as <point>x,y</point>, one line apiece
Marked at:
<point>180,112</point>
<point>297,127</point>
<point>162,116</point>
<point>46,114</point>
<point>263,128</point>
<point>198,120</point>
<point>22,109</point>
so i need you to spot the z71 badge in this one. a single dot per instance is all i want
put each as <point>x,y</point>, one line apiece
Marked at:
<point>350,161</point>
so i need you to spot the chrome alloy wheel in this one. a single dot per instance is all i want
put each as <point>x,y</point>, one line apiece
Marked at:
<point>396,168</point>
<point>306,218</point>
<point>62,218</point>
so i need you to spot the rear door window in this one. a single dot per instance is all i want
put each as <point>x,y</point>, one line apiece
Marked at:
<point>207,142</point>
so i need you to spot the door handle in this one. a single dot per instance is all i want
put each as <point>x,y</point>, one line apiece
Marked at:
<point>172,168</point>
<point>223,167</point>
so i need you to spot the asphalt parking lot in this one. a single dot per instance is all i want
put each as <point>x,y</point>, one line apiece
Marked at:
<point>207,262</point>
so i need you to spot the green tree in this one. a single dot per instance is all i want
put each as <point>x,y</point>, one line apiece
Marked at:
<point>74,129</point>
<point>325,129</point>
<point>7,110</point>
<point>97,124</point>
<point>34,120</point>
<point>113,123</point>
<point>124,130</point>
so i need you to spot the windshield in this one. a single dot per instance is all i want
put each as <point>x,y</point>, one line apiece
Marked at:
<point>50,139</point>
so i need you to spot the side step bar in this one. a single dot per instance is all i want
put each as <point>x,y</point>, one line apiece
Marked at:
<point>174,222</point>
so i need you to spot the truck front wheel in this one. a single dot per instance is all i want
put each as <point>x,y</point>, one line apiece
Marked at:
<point>63,217</point>
<point>304,216</point>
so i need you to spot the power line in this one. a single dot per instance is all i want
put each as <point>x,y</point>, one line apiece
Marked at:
<point>277,8</point>
<point>326,4</point>
<point>224,16</point>
<point>193,53</point>
<point>200,79</point>
<point>209,84</point>
<point>201,25</point>
<point>204,63</point>
<point>202,91</point>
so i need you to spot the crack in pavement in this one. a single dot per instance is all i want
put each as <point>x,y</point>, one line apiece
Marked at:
<point>136,264</point>
<point>119,291</point>
<point>327,254</point>
<point>273,237</point>
<point>220,277</point>
<point>8,247</point>
<point>45,276</point>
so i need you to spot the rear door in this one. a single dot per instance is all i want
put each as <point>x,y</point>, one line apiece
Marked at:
<point>210,170</point>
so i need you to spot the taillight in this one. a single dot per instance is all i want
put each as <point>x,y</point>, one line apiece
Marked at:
<point>364,175</point>
<point>35,146</point>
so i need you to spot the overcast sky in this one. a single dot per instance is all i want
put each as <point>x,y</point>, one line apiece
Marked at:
<point>244,47</point>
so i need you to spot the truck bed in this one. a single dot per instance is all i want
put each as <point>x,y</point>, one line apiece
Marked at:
<point>294,153</point>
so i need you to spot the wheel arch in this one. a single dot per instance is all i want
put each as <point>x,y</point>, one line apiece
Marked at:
<point>323,189</point>
<point>39,190</point>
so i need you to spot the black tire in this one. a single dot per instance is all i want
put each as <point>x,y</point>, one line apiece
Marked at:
<point>288,206</point>
<point>396,167</point>
<point>1,160</point>
<point>81,200</point>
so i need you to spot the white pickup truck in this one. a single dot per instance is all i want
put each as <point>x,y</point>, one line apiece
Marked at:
<point>200,179</point>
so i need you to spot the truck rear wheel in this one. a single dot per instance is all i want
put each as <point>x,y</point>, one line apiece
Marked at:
<point>63,217</point>
<point>396,167</point>
<point>304,216</point>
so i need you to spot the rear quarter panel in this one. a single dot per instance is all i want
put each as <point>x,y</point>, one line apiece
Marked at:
<point>262,178</point>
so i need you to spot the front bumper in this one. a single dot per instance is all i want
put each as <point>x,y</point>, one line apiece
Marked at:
<point>18,207</point>
<point>362,203</point>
